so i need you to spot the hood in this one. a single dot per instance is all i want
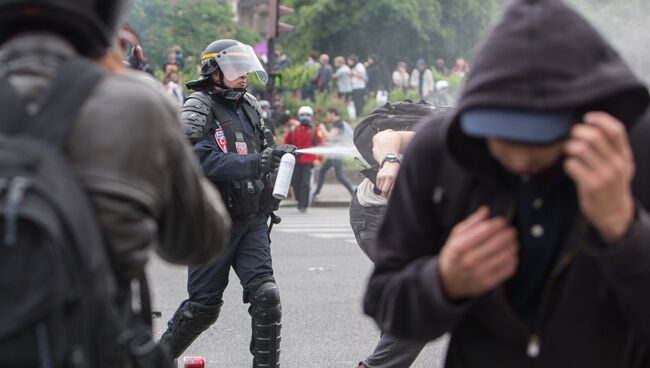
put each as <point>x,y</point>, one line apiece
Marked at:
<point>543,56</point>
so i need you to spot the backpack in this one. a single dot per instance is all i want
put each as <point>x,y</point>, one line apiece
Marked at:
<point>399,116</point>
<point>60,303</point>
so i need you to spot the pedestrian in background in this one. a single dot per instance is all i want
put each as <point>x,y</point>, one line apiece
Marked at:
<point>343,79</point>
<point>324,76</point>
<point>305,135</point>
<point>401,77</point>
<point>340,134</point>
<point>521,226</point>
<point>358,72</point>
<point>375,75</point>
<point>422,81</point>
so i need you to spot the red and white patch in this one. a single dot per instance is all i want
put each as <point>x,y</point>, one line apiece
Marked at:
<point>242,148</point>
<point>221,139</point>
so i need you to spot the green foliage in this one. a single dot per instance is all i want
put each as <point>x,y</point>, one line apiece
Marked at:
<point>324,101</point>
<point>191,24</point>
<point>296,76</point>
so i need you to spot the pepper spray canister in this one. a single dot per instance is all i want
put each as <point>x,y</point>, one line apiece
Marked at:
<point>283,179</point>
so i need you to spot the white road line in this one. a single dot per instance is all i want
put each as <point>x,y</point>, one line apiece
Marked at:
<point>330,236</point>
<point>320,230</point>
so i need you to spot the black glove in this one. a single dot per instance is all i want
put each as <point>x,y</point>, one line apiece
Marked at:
<point>286,148</point>
<point>270,159</point>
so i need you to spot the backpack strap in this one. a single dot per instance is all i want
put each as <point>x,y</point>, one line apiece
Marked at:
<point>78,77</point>
<point>73,84</point>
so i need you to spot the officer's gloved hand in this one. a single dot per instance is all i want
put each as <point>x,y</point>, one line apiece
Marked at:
<point>286,148</point>
<point>270,159</point>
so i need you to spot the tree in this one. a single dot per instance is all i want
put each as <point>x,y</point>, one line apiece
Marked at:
<point>190,24</point>
<point>395,30</point>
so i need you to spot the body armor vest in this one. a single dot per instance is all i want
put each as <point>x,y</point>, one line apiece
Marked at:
<point>244,198</point>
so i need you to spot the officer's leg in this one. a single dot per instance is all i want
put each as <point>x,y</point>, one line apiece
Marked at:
<point>340,176</point>
<point>205,286</point>
<point>253,265</point>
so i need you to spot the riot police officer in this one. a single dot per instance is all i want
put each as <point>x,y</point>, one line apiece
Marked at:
<point>238,154</point>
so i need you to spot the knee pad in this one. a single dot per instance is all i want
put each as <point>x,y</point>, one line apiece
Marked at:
<point>266,313</point>
<point>265,303</point>
<point>189,321</point>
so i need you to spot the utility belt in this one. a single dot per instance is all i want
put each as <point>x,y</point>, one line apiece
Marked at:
<point>248,198</point>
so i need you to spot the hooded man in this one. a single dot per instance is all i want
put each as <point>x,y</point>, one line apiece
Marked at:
<point>529,239</point>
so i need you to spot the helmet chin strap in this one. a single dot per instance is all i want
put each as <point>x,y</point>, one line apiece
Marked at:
<point>228,93</point>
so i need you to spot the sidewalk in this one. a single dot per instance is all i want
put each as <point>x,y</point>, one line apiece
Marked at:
<point>332,195</point>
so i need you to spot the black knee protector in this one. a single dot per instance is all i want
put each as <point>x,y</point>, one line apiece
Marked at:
<point>189,321</point>
<point>266,313</point>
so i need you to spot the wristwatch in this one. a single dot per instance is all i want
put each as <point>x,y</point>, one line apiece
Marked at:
<point>390,157</point>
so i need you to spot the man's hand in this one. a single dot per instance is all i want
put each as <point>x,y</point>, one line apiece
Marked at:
<point>479,254</point>
<point>600,162</point>
<point>386,177</point>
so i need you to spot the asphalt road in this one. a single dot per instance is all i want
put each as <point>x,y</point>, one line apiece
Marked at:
<point>321,273</point>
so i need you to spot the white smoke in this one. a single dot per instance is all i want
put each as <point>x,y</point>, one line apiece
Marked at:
<point>625,24</point>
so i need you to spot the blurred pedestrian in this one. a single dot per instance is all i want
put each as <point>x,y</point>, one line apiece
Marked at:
<point>358,80</point>
<point>521,226</point>
<point>309,88</point>
<point>305,135</point>
<point>422,81</point>
<point>460,68</point>
<point>174,89</point>
<point>325,73</point>
<point>171,64</point>
<point>375,75</point>
<point>443,97</point>
<point>441,67</point>
<point>340,134</point>
<point>401,77</point>
<point>343,79</point>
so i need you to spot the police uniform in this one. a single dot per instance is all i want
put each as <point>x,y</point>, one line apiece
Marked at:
<point>228,136</point>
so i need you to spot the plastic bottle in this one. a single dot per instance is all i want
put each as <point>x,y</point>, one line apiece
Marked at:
<point>283,180</point>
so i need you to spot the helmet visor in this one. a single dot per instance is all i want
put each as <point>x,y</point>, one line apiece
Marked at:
<point>238,60</point>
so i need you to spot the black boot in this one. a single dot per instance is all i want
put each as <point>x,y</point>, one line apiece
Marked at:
<point>189,321</point>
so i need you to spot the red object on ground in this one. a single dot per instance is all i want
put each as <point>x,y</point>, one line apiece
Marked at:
<point>194,362</point>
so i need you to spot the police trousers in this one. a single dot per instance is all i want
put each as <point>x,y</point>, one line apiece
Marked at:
<point>248,253</point>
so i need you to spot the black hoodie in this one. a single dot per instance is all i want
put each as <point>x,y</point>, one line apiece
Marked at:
<point>595,308</point>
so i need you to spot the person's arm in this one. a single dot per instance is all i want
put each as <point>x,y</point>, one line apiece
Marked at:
<point>383,143</point>
<point>601,163</point>
<point>221,166</point>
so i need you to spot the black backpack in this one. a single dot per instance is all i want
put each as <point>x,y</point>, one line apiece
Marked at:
<point>399,116</point>
<point>60,304</point>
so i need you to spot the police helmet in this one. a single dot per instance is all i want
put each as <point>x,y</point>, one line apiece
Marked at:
<point>232,58</point>
<point>89,25</point>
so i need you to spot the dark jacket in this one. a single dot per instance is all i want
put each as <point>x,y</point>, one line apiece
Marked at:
<point>594,309</point>
<point>132,157</point>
